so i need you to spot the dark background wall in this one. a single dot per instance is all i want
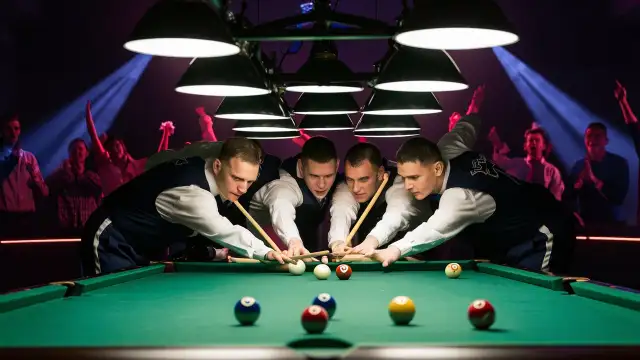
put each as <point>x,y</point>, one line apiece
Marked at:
<point>52,51</point>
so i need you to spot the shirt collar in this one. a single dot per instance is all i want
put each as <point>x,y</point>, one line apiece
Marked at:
<point>447,170</point>
<point>211,179</point>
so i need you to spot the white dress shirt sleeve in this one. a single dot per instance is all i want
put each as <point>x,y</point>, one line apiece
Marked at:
<point>197,209</point>
<point>461,138</point>
<point>397,215</point>
<point>458,209</point>
<point>281,197</point>
<point>344,212</point>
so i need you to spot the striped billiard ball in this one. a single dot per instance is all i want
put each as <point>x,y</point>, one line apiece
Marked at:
<point>343,272</point>
<point>315,319</point>
<point>402,310</point>
<point>327,302</point>
<point>481,314</point>
<point>247,310</point>
<point>453,270</point>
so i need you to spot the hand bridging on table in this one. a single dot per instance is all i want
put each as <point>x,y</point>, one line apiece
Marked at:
<point>295,248</point>
<point>387,256</point>
<point>279,257</point>
<point>366,248</point>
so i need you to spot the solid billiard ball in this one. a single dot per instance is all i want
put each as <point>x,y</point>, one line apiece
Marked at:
<point>298,268</point>
<point>315,319</point>
<point>322,272</point>
<point>453,270</point>
<point>343,271</point>
<point>481,314</point>
<point>327,302</point>
<point>247,310</point>
<point>402,310</point>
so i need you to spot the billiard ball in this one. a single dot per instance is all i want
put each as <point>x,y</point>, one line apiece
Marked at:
<point>453,270</point>
<point>343,271</point>
<point>322,272</point>
<point>247,310</point>
<point>315,319</point>
<point>327,302</point>
<point>402,310</point>
<point>481,314</point>
<point>298,268</point>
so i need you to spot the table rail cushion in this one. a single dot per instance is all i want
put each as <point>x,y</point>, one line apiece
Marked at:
<point>99,282</point>
<point>629,300</point>
<point>20,299</point>
<point>555,283</point>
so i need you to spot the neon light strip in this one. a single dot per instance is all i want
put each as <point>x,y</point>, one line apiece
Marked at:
<point>53,241</point>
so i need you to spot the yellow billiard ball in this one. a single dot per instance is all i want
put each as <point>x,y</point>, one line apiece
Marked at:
<point>453,270</point>
<point>402,310</point>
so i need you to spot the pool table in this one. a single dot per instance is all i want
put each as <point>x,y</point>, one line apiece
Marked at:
<point>185,310</point>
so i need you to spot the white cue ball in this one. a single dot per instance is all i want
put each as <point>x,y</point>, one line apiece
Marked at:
<point>453,270</point>
<point>297,268</point>
<point>322,272</point>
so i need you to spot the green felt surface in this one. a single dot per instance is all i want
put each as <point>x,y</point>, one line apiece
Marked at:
<point>196,309</point>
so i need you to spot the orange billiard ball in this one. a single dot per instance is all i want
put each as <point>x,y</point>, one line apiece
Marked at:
<point>343,272</point>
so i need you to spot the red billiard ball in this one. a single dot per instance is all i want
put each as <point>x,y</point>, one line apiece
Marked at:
<point>343,271</point>
<point>481,314</point>
<point>315,319</point>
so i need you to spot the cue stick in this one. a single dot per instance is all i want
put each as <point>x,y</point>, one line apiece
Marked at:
<point>258,227</point>
<point>367,210</point>
<point>310,255</point>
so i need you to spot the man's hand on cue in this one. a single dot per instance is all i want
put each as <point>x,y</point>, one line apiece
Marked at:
<point>366,248</point>
<point>295,248</point>
<point>279,257</point>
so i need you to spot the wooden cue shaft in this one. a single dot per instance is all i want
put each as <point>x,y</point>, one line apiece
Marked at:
<point>258,227</point>
<point>366,211</point>
<point>310,255</point>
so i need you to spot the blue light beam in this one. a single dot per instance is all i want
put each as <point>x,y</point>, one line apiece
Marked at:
<point>565,121</point>
<point>50,140</point>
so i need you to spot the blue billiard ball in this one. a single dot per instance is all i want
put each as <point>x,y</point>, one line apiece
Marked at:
<point>247,310</point>
<point>327,302</point>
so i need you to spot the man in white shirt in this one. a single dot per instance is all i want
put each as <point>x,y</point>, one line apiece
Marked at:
<point>392,213</point>
<point>296,204</point>
<point>172,201</point>
<point>513,222</point>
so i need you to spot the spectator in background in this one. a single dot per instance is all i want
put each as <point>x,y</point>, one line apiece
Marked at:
<point>113,163</point>
<point>600,181</point>
<point>632,122</point>
<point>75,191</point>
<point>474,107</point>
<point>533,168</point>
<point>21,183</point>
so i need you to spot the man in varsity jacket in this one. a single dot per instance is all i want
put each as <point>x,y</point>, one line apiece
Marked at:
<point>296,204</point>
<point>508,221</point>
<point>174,200</point>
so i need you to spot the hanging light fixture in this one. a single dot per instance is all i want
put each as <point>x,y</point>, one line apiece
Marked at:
<point>324,73</point>
<point>420,70</point>
<point>275,135</point>
<point>326,104</point>
<point>326,122</point>
<point>382,102</point>
<point>456,25</point>
<point>265,125</point>
<point>374,123</point>
<point>388,134</point>
<point>261,107</point>
<point>223,76</point>
<point>182,28</point>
